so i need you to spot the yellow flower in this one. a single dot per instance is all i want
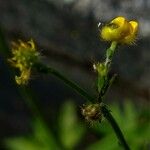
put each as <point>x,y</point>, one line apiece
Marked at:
<point>24,77</point>
<point>120,30</point>
<point>24,57</point>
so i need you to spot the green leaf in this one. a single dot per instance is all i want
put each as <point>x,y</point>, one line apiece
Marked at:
<point>40,139</point>
<point>44,135</point>
<point>107,143</point>
<point>102,128</point>
<point>136,129</point>
<point>70,129</point>
<point>23,144</point>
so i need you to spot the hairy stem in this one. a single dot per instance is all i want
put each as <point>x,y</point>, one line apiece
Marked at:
<point>109,54</point>
<point>105,79</point>
<point>44,69</point>
<point>115,127</point>
<point>48,70</point>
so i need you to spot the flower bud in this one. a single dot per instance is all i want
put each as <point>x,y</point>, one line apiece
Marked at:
<point>100,68</point>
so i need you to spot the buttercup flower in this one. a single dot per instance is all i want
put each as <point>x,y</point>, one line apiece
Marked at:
<point>24,57</point>
<point>120,30</point>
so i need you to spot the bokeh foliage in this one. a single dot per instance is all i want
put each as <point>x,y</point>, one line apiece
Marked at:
<point>71,133</point>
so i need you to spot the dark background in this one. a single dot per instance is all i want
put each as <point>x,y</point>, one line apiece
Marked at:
<point>67,36</point>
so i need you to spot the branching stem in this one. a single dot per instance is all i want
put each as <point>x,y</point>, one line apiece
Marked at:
<point>48,70</point>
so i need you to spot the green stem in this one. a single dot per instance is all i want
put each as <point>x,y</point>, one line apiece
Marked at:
<point>109,54</point>
<point>29,100</point>
<point>115,127</point>
<point>25,93</point>
<point>105,80</point>
<point>44,69</point>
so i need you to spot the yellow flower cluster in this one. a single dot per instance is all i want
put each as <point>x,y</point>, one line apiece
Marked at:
<point>120,30</point>
<point>24,57</point>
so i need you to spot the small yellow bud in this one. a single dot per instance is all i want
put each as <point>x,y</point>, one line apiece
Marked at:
<point>120,30</point>
<point>24,57</point>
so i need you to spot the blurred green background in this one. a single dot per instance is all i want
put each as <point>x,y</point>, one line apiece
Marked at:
<point>67,36</point>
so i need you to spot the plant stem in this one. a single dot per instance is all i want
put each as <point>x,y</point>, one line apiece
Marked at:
<point>109,54</point>
<point>115,127</point>
<point>105,79</point>
<point>44,69</point>
<point>24,92</point>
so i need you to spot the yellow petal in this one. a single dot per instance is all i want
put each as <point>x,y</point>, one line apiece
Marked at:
<point>134,25</point>
<point>32,44</point>
<point>130,39</point>
<point>116,30</point>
